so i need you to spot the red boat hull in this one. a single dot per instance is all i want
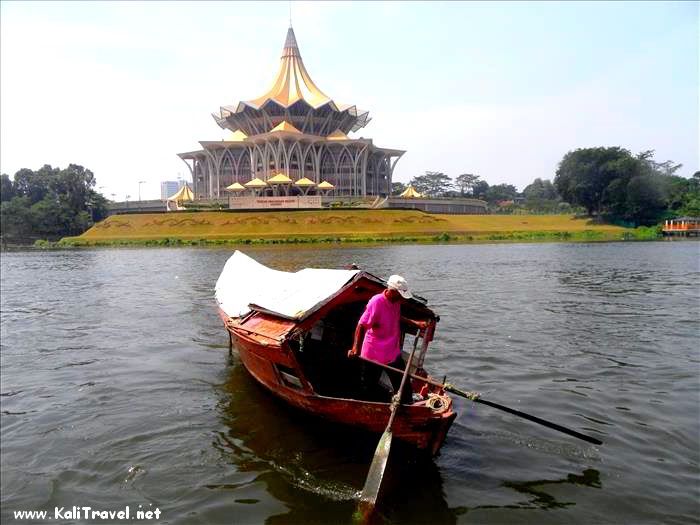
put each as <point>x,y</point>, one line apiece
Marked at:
<point>274,366</point>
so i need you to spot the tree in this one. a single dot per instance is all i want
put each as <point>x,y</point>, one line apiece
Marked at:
<point>690,201</point>
<point>397,188</point>
<point>465,183</point>
<point>432,184</point>
<point>7,190</point>
<point>661,168</point>
<point>480,188</point>
<point>15,218</point>
<point>501,192</point>
<point>614,184</point>
<point>645,200</point>
<point>34,184</point>
<point>540,190</point>
<point>584,174</point>
<point>50,203</point>
<point>541,195</point>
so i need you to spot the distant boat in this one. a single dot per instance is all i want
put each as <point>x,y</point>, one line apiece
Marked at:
<point>292,332</point>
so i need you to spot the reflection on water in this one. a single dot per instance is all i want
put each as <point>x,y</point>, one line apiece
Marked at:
<point>116,389</point>
<point>302,458</point>
<point>540,499</point>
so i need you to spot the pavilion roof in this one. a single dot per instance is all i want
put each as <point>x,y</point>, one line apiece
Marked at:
<point>255,183</point>
<point>304,181</point>
<point>236,186</point>
<point>280,178</point>
<point>183,194</point>
<point>410,192</point>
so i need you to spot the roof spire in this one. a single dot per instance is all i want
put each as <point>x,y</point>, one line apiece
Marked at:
<point>292,82</point>
<point>290,13</point>
<point>290,44</point>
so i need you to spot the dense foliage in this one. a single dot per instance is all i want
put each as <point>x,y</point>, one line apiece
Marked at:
<point>49,203</point>
<point>432,184</point>
<point>615,185</point>
<point>607,182</point>
<point>397,188</point>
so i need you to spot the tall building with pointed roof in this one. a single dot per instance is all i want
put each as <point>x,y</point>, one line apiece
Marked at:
<point>296,129</point>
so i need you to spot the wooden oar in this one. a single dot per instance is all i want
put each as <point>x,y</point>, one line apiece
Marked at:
<point>476,398</point>
<point>373,483</point>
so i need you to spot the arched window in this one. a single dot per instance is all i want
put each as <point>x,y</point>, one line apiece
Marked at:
<point>244,172</point>
<point>295,164</point>
<point>345,174</point>
<point>309,163</point>
<point>226,171</point>
<point>328,171</point>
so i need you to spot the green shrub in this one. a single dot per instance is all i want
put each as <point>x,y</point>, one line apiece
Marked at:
<point>43,244</point>
<point>443,237</point>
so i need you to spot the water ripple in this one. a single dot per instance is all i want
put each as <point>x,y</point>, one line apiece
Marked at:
<point>117,389</point>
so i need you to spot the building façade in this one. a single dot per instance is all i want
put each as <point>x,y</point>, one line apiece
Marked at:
<point>293,129</point>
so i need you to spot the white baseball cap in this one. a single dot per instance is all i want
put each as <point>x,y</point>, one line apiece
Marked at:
<point>398,283</point>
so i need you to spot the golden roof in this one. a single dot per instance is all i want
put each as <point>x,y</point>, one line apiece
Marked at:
<point>324,185</point>
<point>285,126</point>
<point>292,82</point>
<point>305,182</point>
<point>280,178</point>
<point>183,194</point>
<point>338,135</point>
<point>255,183</point>
<point>236,186</point>
<point>236,136</point>
<point>410,192</point>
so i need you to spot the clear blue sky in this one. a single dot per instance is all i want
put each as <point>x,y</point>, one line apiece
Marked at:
<point>500,89</point>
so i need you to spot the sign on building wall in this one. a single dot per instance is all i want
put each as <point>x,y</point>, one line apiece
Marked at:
<point>247,202</point>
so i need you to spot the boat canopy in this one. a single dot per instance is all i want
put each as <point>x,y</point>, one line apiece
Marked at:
<point>245,285</point>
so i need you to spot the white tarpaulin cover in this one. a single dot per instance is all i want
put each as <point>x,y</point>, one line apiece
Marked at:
<point>244,281</point>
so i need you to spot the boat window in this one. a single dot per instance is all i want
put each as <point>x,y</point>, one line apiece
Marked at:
<point>288,377</point>
<point>316,332</point>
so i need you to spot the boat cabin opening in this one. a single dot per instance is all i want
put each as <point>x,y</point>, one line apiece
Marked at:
<point>316,348</point>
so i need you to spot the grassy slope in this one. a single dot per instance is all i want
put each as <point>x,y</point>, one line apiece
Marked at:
<point>350,224</point>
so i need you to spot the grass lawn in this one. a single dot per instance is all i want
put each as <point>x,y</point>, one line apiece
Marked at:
<point>343,225</point>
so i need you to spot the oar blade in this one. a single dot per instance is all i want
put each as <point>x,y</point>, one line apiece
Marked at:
<point>373,483</point>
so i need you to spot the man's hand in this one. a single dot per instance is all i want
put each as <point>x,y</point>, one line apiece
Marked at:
<point>422,325</point>
<point>353,352</point>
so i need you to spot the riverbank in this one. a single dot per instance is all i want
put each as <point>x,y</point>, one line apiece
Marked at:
<point>343,226</point>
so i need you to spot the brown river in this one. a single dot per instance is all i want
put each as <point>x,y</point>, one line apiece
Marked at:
<point>116,390</point>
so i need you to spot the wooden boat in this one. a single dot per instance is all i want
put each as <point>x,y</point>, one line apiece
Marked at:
<point>292,332</point>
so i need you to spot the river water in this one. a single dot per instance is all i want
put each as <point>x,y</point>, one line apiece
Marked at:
<point>117,389</point>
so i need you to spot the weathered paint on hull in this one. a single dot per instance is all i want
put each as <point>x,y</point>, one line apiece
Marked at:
<point>419,425</point>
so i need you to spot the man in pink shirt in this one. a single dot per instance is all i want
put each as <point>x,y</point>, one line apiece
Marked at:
<point>379,333</point>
